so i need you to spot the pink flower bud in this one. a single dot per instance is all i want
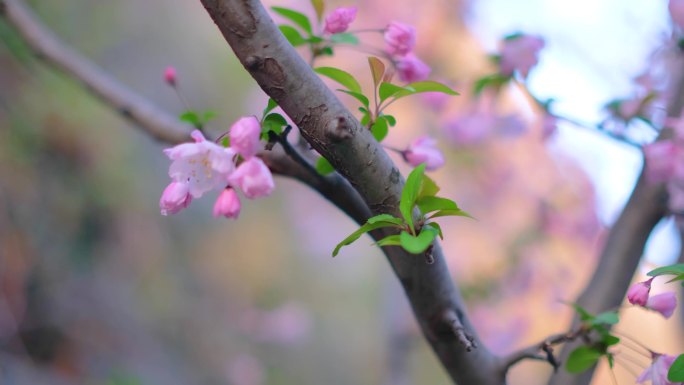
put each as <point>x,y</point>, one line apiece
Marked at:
<point>227,204</point>
<point>676,8</point>
<point>339,20</point>
<point>244,136</point>
<point>638,293</point>
<point>424,150</point>
<point>411,69</point>
<point>521,54</point>
<point>170,75</point>
<point>657,372</point>
<point>176,197</point>
<point>660,160</point>
<point>253,178</point>
<point>400,38</point>
<point>664,303</point>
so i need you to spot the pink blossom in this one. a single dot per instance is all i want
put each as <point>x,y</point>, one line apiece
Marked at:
<point>435,100</point>
<point>244,136</point>
<point>400,38</point>
<point>520,53</point>
<point>424,150</point>
<point>664,303</point>
<point>470,129</point>
<point>203,165</point>
<point>176,197</point>
<point>339,20</point>
<point>253,178</point>
<point>676,8</point>
<point>411,69</point>
<point>638,292</point>
<point>660,160</point>
<point>227,204</point>
<point>657,372</point>
<point>549,125</point>
<point>170,75</point>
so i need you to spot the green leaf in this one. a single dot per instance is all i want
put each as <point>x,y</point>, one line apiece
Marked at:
<point>428,204</point>
<point>273,122</point>
<point>344,38</point>
<point>610,340</point>
<point>208,115</point>
<point>191,117</point>
<point>319,7</point>
<point>450,213</point>
<point>325,51</point>
<point>582,359</point>
<point>342,77</point>
<point>324,167</point>
<point>496,81</point>
<point>410,193</point>
<point>419,243</point>
<point>269,107</point>
<point>430,86</point>
<point>225,142</point>
<point>606,318</point>
<point>387,90</point>
<point>390,240</point>
<point>437,227</point>
<point>676,372</point>
<point>387,218</point>
<point>360,97</point>
<point>377,70</point>
<point>583,314</point>
<point>379,129</point>
<point>357,234</point>
<point>391,120</point>
<point>513,36</point>
<point>298,18</point>
<point>668,270</point>
<point>315,39</point>
<point>428,187</point>
<point>292,35</point>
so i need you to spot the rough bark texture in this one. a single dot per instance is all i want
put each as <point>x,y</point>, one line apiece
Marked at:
<point>335,133</point>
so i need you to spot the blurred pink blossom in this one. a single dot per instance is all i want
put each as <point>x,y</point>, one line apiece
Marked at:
<point>253,178</point>
<point>520,53</point>
<point>400,38</point>
<point>203,165</point>
<point>244,136</point>
<point>676,8</point>
<point>469,129</point>
<point>245,369</point>
<point>660,157</point>
<point>339,19</point>
<point>549,125</point>
<point>664,303</point>
<point>435,100</point>
<point>227,204</point>
<point>170,75</point>
<point>176,197</point>
<point>657,372</point>
<point>638,292</point>
<point>424,150</point>
<point>411,69</point>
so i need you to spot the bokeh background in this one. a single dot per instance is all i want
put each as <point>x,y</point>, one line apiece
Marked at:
<point>96,287</point>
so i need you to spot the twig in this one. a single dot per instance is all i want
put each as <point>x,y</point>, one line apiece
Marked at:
<point>546,346</point>
<point>293,153</point>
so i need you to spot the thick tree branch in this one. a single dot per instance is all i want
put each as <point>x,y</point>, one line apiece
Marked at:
<point>335,133</point>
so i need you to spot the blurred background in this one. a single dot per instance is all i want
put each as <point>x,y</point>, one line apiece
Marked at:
<point>96,287</point>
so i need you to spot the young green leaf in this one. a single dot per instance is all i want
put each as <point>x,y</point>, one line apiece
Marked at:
<point>450,213</point>
<point>390,240</point>
<point>208,115</point>
<point>419,243</point>
<point>377,70</point>
<point>428,204</point>
<point>344,38</point>
<point>428,188</point>
<point>360,97</point>
<point>610,340</point>
<point>323,166</point>
<point>410,193</point>
<point>667,270</point>
<point>391,120</point>
<point>379,129</point>
<point>676,372</point>
<point>496,81</point>
<point>292,35</point>
<point>319,7</point>
<point>582,359</point>
<point>437,227</point>
<point>269,107</point>
<point>387,90</point>
<point>357,234</point>
<point>342,77</point>
<point>191,117</point>
<point>583,314</point>
<point>273,122</point>
<point>386,218</point>
<point>298,18</point>
<point>606,318</point>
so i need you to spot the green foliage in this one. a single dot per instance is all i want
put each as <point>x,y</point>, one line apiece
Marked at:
<point>420,243</point>
<point>340,76</point>
<point>198,120</point>
<point>292,35</point>
<point>319,7</point>
<point>270,106</point>
<point>358,96</point>
<point>377,222</point>
<point>344,38</point>
<point>582,358</point>
<point>676,270</point>
<point>297,18</point>
<point>387,90</point>
<point>494,81</point>
<point>676,372</point>
<point>377,70</point>
<point>272,122</point>
<point>410,193</point>
<point>379,129</point>
<point>324,167</point>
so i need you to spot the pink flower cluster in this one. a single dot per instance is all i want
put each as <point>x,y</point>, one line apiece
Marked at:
<point>676,8</point>
<point>520,53</point>
<point>338,20</point>
<point>657,372</point>
<point>639,294</point>
<point>424,150</point>
<point>400,40</point>
<point>665,164</point>
<point>202,166</point>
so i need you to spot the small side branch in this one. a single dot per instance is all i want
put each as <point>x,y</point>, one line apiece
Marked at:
<point>543,350</point>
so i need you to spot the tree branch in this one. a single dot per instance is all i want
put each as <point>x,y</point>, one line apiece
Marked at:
<point>336,134</point>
